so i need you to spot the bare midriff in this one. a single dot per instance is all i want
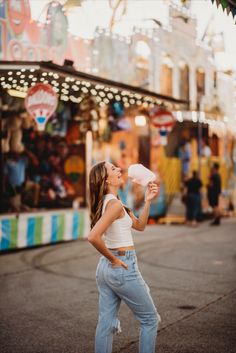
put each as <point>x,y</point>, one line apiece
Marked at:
<point>124,248</point>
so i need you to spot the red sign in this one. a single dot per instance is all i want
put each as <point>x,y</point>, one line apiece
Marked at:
<point>41,102</point>
<point>18,14</point>
<point>162,118</point>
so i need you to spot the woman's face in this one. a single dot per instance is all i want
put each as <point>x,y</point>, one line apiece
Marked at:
<point>114,176</point>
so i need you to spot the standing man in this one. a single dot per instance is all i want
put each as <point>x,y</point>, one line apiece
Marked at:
<point>15,179</point>
<point>213,193</point>
<point>193,202</point>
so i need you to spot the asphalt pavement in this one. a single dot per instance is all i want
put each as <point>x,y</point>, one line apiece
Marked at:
<point>49,299</point>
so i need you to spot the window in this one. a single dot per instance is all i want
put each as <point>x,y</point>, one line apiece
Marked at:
<point>184,80</point>
<point>215,79</point>
<point>166,76</point>
<point>142,61</point>
<point>200,80</point>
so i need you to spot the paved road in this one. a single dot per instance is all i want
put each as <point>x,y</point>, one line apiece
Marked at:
<point>48,296</point>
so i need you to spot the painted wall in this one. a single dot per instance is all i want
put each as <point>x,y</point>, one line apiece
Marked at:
<point>22,38</point>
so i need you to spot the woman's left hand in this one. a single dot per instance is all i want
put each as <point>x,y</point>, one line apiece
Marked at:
<point>152,191</point>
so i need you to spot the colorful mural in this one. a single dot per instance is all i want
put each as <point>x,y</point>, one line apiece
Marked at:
<point>22,38</point>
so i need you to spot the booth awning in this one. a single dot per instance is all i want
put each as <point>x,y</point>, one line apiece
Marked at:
<point>72,85</point>
<point>228,5</point>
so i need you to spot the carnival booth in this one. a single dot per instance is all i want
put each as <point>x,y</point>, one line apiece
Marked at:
<point>55,123</point>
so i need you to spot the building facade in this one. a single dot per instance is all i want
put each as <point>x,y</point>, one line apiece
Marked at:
<point>169,60</point>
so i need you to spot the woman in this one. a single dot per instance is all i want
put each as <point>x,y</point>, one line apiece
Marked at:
<point>118,277</point>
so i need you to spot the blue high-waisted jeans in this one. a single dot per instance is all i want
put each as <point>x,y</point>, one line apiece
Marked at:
<point>116,284</point>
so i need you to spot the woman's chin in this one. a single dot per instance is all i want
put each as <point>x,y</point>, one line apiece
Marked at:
<point>121,181</point>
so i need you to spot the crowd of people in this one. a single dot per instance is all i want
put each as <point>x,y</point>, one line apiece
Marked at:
<point>36,177</point>
<point>192,187</point>
<point>192,196</point>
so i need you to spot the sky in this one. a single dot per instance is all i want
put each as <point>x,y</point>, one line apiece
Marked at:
<point>83,20</point>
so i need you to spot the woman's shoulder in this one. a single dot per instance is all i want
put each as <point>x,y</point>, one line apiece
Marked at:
<point>111,200</point>
<point>113,207</point>
<point>110,197</point>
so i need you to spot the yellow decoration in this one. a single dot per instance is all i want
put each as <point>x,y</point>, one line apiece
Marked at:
<point>74,164</point>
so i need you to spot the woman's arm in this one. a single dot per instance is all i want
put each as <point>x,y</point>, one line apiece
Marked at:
<point>112,212</point>
<point>151,192</point>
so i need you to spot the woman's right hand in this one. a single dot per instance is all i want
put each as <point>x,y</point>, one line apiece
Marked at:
<point>119,263</point>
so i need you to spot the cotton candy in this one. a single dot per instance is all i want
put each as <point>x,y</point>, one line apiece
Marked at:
<point>140,174</point>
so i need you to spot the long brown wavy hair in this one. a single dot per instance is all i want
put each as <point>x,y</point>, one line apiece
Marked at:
<point>97,190</point>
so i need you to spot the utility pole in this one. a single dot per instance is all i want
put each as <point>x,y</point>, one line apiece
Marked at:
<point>199,130</point>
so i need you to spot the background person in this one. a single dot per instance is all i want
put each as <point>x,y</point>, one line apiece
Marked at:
<point>118,277</point>
<point>15,179</point>
<point>213,193</point>
<point>185,158</point>
<point>193,199</point>
<point>205,149</point>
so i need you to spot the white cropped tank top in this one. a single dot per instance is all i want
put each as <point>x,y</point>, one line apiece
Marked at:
<point>118,234</point>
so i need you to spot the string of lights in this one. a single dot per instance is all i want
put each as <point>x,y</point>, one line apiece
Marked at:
<point>71,85</point>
